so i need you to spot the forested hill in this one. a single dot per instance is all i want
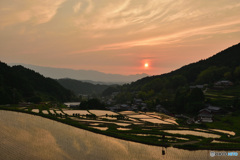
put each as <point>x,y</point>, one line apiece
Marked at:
<point>222,66</point>
<point>20,84</point>
<point>79,87</point>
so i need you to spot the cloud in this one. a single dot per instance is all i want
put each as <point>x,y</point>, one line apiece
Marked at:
<point>223,28</point>
<point>37,12</point>
<point>77,7</point>
<point>117,15</point>
<point>68,29</point>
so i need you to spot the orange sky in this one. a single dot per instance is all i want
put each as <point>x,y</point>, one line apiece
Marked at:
<point>117,36</point>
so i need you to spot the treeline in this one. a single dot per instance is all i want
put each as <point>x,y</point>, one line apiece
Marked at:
<point>91,104</point>
<point>79,87</point>
<point>19,84</point>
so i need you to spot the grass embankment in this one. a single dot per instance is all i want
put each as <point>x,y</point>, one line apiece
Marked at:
<point>223,97</point>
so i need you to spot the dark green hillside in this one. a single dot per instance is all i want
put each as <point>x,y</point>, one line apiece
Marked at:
<point>20,84</point>
<point>79,87</point>
<point>172,90</point>
<point>224,65</point>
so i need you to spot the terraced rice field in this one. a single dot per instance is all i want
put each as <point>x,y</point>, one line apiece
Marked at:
<point>128,113</point>
<point>97,121</point>
<point>198,129</point>
<point>71,112</point>
<point>102,112</point>
<point>109,118</point>
<point>223,131</point>
<point>101,128</point>
<point>151,117</point>
<point>123,129</point>
<point>171,121</point>
<point>138,116</point>
<point>45,112</point>
<point>94,124</point>
<point>162,117</point>
<point>52,111</point>
<point>157,121</point>
<point>59,112</point>
<point>24,136</point>
<point>215,141</point>
<point>194,133</point>
<point>35,110</point>
<point>147,135</point>
<point>180,138</point>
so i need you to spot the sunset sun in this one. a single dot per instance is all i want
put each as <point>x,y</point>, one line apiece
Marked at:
<point>146,65</point>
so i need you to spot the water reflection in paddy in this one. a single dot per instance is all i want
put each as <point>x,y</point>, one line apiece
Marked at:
<point>223,131</point>
<point>24,136</point>
<point>195,133</point>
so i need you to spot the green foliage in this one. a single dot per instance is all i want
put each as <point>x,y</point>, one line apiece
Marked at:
<point>189,101</point>
<point>228,75</point>
<point>180,100</point>
<point>92,104</point>
<point>110,90</point>
<point>79,87</point>
<point>237,72</point>
<point>124,97</point>
<point>20,84</point>
<point>211,74</point>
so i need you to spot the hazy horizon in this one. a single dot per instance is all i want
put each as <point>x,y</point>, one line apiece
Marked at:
<point>121,37</point>
<point>24,64</point>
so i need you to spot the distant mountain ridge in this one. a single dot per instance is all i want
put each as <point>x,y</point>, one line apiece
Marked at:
<point>83,75</point>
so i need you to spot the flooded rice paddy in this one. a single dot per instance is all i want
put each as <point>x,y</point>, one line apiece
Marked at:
<point>223,131</point>
<point>153,120</point>
<point>71,112</point>
<point>194,133</point>
<point>151,117</point>
<point>24,136</point>
<point>101,128</point>
<point>138,116</point>
<point>102,112</point>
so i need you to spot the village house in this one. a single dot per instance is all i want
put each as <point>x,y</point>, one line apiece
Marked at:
<point>223,84</point>
<point>205,115</point>
<point>138,101</point>
<point>197,86</point>
<point>214,109</point>
<point>72,104</point>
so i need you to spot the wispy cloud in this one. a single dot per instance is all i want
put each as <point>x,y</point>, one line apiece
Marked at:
<point>222,28</point>
<point>77,7</point>
<point>37,12</point>
<point>73,29</point>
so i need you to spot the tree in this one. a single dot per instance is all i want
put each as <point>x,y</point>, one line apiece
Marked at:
<point>228,75</point>
<point>211,74</point>
<point>237,73</point>
<point>92,104</point>
<point>179,101</point>
<point>195,101</point>
<point>177,81</point>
